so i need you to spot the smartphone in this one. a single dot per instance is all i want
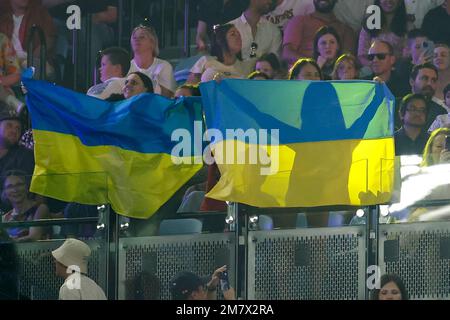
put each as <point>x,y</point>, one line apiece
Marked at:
<point>428,48</point>
<point>447,143</point>
<point>224,282</point>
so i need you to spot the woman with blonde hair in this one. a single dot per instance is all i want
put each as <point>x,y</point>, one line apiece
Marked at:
<point>345,68</point>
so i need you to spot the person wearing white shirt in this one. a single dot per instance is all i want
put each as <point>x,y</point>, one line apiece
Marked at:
<point>144,43</point>
<point>114,66</point>
<point>259,36</point>
<point>417,9</point>
<point>71,264</point>
<point>352,12</point>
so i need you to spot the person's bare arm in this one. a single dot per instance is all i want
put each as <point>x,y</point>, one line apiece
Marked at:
<point>166,92</point>
<point>35,233</point>
<point>201,36</point>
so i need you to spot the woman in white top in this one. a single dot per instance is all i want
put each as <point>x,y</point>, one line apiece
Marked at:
<point>144,43</point>
<point>225,60</point>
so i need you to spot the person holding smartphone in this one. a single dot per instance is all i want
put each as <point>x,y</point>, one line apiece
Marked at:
<point>189,286</point>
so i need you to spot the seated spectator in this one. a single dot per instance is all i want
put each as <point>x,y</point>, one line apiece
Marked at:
<point>211,13</point>
<point>417,10</point>
<point>225,57</point>
<point>381,61</point>
<point>115,63</point>
<point>443,120</point>
<point>144,43</point>
<point>256,75</point>
<point>135,83</point>
<point>391,288</point>
<point>269,65</point>
<point>327,48</point>
<point>189,286</point>
<point>16,19</point>
<point>287,9</point>
<point>259,36</point>
<point>411,138</point>
<point>393,29</point>
<point>423,80</point>
<point>345,68</point>
<point>415,52</point>
<point>352,12</point>
<point>15,191</point>
<point>436,24</point>
<point>442,62</point>
<point>299,33</point>
<point>305,69</point>
<point>188,90</point>
<point>9,73</point>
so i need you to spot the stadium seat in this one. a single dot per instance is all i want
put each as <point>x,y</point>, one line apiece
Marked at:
<point>180,226</point>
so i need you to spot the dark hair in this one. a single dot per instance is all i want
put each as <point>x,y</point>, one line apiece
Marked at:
<point>194,88</point>
<point>385,279</point>
<point>399,21</point>
<point>298,66</point>
<point>145,80</point>
<point>272,59</point>
<point>256,74</point>
<point>415,33</point>
<point>446,89</point>
<point>219,43</point>
<point>118,56</point>
<point>408,98</point>
<point>320,33</point>
<point>417,68</point>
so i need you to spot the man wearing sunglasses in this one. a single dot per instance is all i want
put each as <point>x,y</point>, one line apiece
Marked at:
<point>381,61</point>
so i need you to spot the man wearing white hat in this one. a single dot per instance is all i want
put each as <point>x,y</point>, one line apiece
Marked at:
<point>71,264</point>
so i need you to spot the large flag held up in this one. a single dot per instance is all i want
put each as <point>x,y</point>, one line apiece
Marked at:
<point>92,151</point>
<point>335,140</point>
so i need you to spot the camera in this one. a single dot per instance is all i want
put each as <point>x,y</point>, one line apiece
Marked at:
<point>224,282</point>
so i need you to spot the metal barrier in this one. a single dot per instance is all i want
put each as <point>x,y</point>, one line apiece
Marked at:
<point>42,50</point>
<point>420,254</point>
<point>37,278</point>
<point>164,257</point>
<point>303,264</point>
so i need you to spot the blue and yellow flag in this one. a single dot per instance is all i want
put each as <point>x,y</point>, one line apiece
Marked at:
<point>91,151</point>
<point>328,143</point>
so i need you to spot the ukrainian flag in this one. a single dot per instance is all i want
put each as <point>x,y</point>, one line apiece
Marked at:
<point>91,151</point>
<point>335,142</point>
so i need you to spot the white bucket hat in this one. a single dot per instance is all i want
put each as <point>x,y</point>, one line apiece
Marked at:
<point>73,252</point>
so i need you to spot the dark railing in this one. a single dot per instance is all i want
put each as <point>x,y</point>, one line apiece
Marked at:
<point>42,50</point>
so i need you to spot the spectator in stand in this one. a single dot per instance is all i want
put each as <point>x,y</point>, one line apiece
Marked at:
<point>412,137</point>
<point>16,19</point>
<point>188,90</point>
<point>442,62</point>
<point>211,13</point>
<point>305,69</point>
<point>352,12</point>
<point>381,61</point>
<point>256,75</point>
<point>415,52</point>
<point>135,83</point>
<point>417,10</point>
<point>259,36</point>
<point>393,29</point>
<point>24,208</point>
<point>225,57</point>
<point>144,43</point>
<point>327,48</point>
<point>436,24</point>
<point>346,68</point>
<point>287,9</point>
<point>391,288</point>
<point>269,65</point>
<point>114,65</point>
<point>443,120</point>
<point>423,80</point>
<point>299,34</point>
<point>9,73</point>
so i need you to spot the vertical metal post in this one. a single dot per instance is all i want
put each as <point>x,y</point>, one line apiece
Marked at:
<point>187,33</point>
<point>75,57</point>
<point>120,24</point>
<point>162,42</point>
<point>372,230</point>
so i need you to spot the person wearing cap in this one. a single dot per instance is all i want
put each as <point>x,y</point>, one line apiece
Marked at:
<point>188,286</point>
<point>13,156</point>
<point>71,264</point>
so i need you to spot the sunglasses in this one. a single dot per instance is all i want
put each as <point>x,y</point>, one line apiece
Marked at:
<point>253,48</point>
<point>380,56</point>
